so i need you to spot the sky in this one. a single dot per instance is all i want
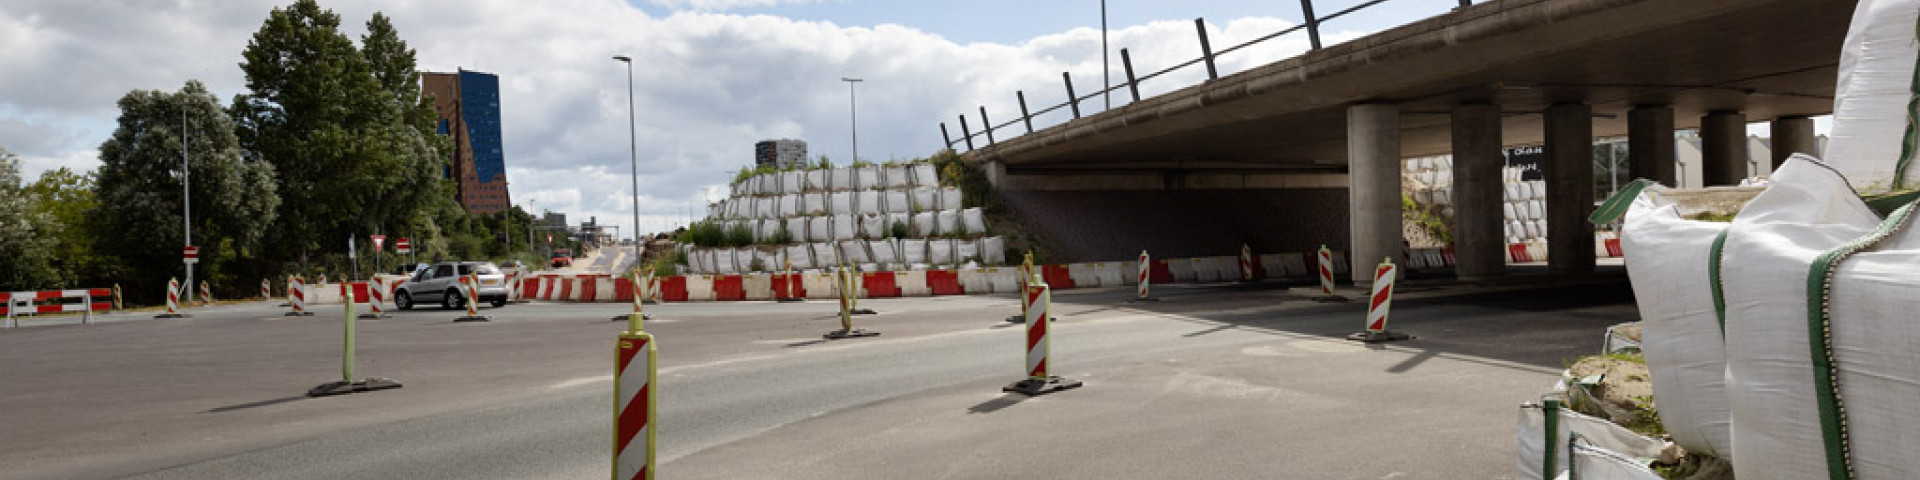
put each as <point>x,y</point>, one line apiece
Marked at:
<point>710,77</point>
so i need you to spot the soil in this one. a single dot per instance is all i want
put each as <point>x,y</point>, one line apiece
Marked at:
<point>1625,394</point>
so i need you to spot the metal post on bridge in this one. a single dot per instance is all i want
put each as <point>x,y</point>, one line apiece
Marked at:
<point>986,125</point>
<point>1024,116</point>
<point>1206,49</point>
<point>965,133</point>
<point>1072,99</point>
<point>945,137</point>
<point>1313,23</point>
<point>1126,61</point>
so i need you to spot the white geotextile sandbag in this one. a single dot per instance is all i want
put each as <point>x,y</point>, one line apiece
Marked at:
<point>923,175</point>
<point>845,226</point>
<point>885,251</point>
<point>800,255</point>
<point>1532,436</point>
<point>766,207</point>
<point>966,251</point>
<point>819,229</point>
<point>1443,196</point>
<point>897,201</point>
<point>764,184</point>
<point>824,255</point>
<point>1668,259</point>
<point>940,252</point>
<point>1874,91</point>
<point>761,230</point>
<point>993,251</point>
<point>873,226</point>
<point>867,202</point>
<point>840,203</point>
<point>950,199</point>
<point>855,251</point>
<point>894,176</point>
<point>913,251</point>
<point>715,210</point>
<point>924,199</point>
<point>975,221</point>
<point>947,222</point>
<point>792,181</point>
<point>797,228</point>
<point>1595,463</point>
<point>1509,212</point>
<point>841,179</point>
<point>816,180</point>
<point>923,224</point>
<point>1513,193</point>
<point>723,260</point>
<point>1782,427</point>
<point>1538,189</point>
<point>789,206</point>
<point>695,262</point>
<point>813,204</point>
<point>769,261</point>
<point>866,178</point>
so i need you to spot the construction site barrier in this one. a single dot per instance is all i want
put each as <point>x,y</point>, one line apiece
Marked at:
<point>758,286</point>
<point>1114,274</point>
<point>945,282</point>
<point>912,283</point>
<point>818,285</point>
<point>673,289</point>
<point>530,287</point>
<point>1179,270</point>
<point>1160,272</point>
<point>1205,270</point>
<point>1003,280</point>
<point>877,285</point>
<point>728,287</point>
<point>1083,275</point>
<point>622,289</point>
<point>1057,276</point>
<point>57,301</point>
<point>699,288</point>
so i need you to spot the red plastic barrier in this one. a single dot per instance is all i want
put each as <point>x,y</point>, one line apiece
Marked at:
<point>1613,248</point>
<point>565,291</point>
<point>880,285</point>
<point>1056,276</point>
<point>788,286</point>
<point>673,289</point>
<point>945,282</point>
<point>622,289</point>
<point>590,288</point>
<point>1158,272</point>
<point>1446,255</point>
<point>1518,252</point>
<point>529,287</point>
<point>360,294</point>
<point>729,287</point>
<point>547,286</point>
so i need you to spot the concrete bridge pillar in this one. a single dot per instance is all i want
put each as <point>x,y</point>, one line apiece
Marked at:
<point>1793,135</point>
<point>1478,237</point>
<point>1373,163</point>
<point>996,174</point>
<point>1650,152</point>
<point>1569,172</point>
<point>1723,148</point>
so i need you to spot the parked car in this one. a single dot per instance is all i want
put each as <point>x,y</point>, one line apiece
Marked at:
<point>562,258</point>
<point>440,283</point>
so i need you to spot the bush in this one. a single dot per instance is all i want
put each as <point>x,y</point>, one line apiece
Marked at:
<point>707,233</point>
<point>739,236</point>
<point>899,229</point>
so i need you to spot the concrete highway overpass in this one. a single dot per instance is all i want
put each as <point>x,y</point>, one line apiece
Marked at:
<point>1325,131</point>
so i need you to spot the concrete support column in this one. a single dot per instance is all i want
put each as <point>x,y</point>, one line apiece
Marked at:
<point>1569,172</point>
<point>1373,163</point>
<point>1793,135</point>
<point>996,173</point>
<point>1479,243</point>
<point>1650,152</point>
<point>1723,148</point>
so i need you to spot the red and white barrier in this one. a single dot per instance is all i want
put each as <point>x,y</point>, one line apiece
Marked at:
<point>1145,284</point>
<point>19,303</point>
<point>296,297</point>
<point>634,373</point>
<point>266,289</point>
<point>1378,304</point>
<point>1084,275</point>
<point>1326,272</point>
<point>173,300</point>
<point>1039,346</point>
<point>1246,263</point>
<point>206,293</point>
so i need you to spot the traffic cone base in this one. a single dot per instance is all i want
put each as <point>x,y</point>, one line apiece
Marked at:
<point>1378,337</point>
<point>1145,299</point>
<point>343,388</point>
<point>621,318</point>
<point>373,315</point>
<point>298,314</point>
<point>483,318</point>
<point>1023,319</point>
<point>850,333</point>
<point>1036,386</point>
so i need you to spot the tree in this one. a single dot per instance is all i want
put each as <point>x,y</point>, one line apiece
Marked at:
<point>26,247</point>
<point>67,198</point>
<point>137,216</point>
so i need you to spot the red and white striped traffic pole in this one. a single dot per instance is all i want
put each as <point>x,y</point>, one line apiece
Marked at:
<point>206,293</point>
<point>472,283</point>
<point>1326,278</point>
<point>635,371</point>
<point>173,300</point>
<point>374,298</point>
<point>266,289</point>
<point>117,305</point>
<point>634,287</point>
<point>1145,285</point>
<point>1378,304</point>
<point>1039,299</point>
<point>1246,263</point>
<point>653,288</point>
<point>297,297</point>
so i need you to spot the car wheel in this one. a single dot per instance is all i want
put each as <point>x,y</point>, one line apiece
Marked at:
<point>452,300</point>
<point>403,301</point>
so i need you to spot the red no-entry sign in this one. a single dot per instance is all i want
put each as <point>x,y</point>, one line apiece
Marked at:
<point>400,245</point>
<point>190,255</point>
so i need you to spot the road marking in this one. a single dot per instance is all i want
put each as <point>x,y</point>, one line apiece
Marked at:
<point>581,381</point>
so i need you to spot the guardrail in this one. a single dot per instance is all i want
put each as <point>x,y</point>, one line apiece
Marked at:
<point>1207,56</point>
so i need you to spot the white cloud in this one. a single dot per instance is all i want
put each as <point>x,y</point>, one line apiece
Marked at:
<point>721,5</point>
<point>707,85</point>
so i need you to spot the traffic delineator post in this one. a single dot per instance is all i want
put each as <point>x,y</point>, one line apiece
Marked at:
<point>1246,263</point>
<point>653,288</point>
<point>206,293</point>
<point>785,294</point>
<point>374,298</point>
<point>1027,279</point>
<point>1144,287</point>
<point>297,297</point>
<point>1039,346</point>
<point>347,384</point>
<point>635,405</point>
<point>845,279</point>
<point>266,289</point>
<point>1377,306</point>
<point>637,293</point>
<point>117,305</point>
<point>173,300</point>
<point>472,285</point>
<point>1326,278</point>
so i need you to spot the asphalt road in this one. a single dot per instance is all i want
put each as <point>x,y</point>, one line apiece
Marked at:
<point>1223,381</point>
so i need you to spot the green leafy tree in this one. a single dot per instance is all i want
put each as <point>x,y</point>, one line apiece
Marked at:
<point>66,198</point>
<point>137,216</point>
<point>26,248</point>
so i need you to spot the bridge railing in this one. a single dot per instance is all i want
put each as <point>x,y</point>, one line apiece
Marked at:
<point>1207,56</point>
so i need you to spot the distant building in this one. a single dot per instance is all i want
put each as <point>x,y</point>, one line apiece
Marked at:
<point>782,153</point>
<point>469,106</point>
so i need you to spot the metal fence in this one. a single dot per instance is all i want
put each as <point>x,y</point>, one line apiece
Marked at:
<point>1132,85</point>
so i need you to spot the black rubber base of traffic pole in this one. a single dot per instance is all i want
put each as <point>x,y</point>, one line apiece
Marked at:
<point>649,302</point>
<point>366,316</point>
<point>1378,337</point>
<point>865,311</point>
<point>298,314</point>
<point>1023,319</point>
<point>1329,298</point>
<point>343,388</point>
<point>1148,299</point>
<point>854,333</point>
<point>643,316</point>
<point>791,300</point>
<point>1037,387</point>
<point>476,318</point>
<point>173,315</point>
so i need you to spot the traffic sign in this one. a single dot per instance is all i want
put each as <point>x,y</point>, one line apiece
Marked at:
<point>400,245</point>
<point>190,255</point>
<point>377,240</point>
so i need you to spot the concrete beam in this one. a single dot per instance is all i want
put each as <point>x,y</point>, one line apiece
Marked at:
<point>1723,148</point>
<point>1373,155</point>
<point>1569,172</point>
<point>1478,239</point>
<point>1793,135</point>
<point>1650,147</point>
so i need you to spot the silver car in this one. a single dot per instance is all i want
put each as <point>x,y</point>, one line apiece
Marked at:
<point>441,283</point>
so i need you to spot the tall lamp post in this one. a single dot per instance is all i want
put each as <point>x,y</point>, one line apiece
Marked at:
<point>854,111</point>
<point>186,198</point>
<point>633,145</point>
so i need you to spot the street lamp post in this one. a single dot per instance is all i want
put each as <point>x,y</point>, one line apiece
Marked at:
<point>1106,66</point>
<point>854,111</point>
<point>186,197</point>
<point>633,151</point>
